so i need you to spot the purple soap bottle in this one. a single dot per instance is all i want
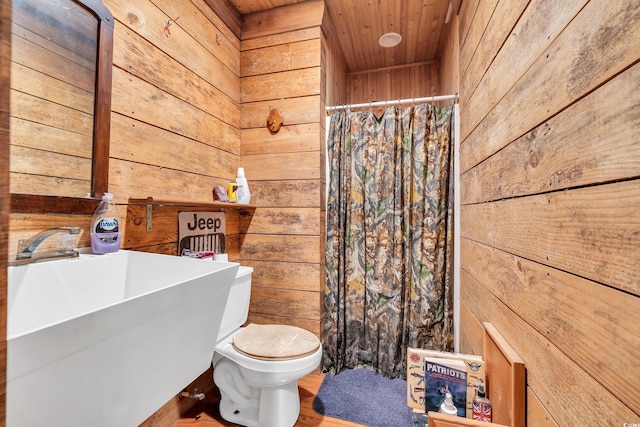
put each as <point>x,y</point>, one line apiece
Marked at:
<point>105,234</point>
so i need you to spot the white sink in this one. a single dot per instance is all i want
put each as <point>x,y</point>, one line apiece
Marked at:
<point>106,340</point>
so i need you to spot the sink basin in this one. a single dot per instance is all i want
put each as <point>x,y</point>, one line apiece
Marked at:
<point>106,340</point>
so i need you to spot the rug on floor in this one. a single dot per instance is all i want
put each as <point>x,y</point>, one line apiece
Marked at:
<point>363,397</point>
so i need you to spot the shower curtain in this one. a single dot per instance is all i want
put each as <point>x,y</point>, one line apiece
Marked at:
<point>389,238</point>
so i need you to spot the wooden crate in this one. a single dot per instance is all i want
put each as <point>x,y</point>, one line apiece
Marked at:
<point>505,373</point>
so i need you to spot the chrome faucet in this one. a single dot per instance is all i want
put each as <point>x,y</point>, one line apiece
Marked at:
<point>27,247</point>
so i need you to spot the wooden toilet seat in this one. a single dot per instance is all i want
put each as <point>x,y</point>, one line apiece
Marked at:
<point>275,342</point>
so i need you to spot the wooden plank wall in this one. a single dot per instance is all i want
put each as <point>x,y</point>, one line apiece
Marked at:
<point>403,82</point>
<point>284,239</point>
<point>550,195</point>
<point>175,122</point>
<point>5,74</point>
<point>448,64</point>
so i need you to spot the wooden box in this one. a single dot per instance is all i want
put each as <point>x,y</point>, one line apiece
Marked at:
<point>505,373</point>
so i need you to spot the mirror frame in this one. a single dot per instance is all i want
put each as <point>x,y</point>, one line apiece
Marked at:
<point>31,203</point>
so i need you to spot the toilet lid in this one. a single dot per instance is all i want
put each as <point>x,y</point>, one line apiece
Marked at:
<point>275,342</point>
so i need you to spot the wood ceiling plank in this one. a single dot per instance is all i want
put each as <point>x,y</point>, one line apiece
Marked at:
<point>360,23</point>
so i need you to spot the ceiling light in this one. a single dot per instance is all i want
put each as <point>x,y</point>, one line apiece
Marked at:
<point>390,40</point>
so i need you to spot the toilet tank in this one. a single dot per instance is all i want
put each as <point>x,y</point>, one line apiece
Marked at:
<point>237,309</point>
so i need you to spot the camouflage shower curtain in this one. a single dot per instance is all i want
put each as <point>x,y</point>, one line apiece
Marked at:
<point>389,238</point>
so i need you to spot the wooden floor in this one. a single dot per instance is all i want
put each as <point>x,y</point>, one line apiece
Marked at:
<point>205,413</point>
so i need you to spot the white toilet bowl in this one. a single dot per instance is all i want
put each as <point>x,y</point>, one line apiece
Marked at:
<point>257,368</point>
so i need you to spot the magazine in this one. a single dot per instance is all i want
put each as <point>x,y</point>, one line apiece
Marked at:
<point>416,375</point>
<point>442,376</point>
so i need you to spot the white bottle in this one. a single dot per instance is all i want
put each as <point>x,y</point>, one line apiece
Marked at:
<point>243,194</point>
<point>447,406</point>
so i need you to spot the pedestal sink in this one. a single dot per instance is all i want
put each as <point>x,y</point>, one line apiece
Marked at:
<point>106,340</point>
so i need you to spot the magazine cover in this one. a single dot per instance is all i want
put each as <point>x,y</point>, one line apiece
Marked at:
<point>442,376</point>
<point>416,375</point>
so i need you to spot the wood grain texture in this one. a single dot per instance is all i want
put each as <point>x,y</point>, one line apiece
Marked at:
<point>360,23</point>
<point>289,193</point>
<point>260,247</point>
<point>291,221</point>
<point>561,307</point>
<point>557,78</point>
<point>412,81</point>
<point>144,60</point>
<point>281,69</point>
<point>286,84</point>
<point>292,303</point>
<point>537,163</point>
<point>301,110</point>
<point>138,99</point>
<point>471,331</point>
<point>449,65</point>
<point>282,20</point>
<point>477,28</point>
<point>5,77</point>
<point>147,20</point>
<point>164,221</point>
<point>549,191</point>
<point>140,180</point>
<point>548,367</point>
<point>575,230</point>
<point>538,26</point>
<point>498,30</point>
<point>170,151</point>
<point>285,275</point>
<point>218,41</point>
<point>283,57</point>
<point>284,166</point>
<point>228,14</point>
<point>505,379</point>
<point>275,39</point>
<point>290,139</point>
<point>537,415</point>
<point>437,419</point>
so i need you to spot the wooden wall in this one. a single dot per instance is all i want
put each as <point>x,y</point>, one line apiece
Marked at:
<point>284,240</point>
<point>550,194</point>
<point>448,64</point>
<point>175,122</point>
<point>5,70</point>
<point>401,82</point>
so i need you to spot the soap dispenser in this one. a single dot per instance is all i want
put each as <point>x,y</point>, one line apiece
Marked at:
<point>105,233</point>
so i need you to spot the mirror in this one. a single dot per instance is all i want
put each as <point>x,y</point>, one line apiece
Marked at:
<point>61,58</point>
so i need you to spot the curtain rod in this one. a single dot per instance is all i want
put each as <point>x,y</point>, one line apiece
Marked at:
<point>395,102</point>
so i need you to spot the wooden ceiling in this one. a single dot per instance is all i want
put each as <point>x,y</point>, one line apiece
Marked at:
<point>360,23</point>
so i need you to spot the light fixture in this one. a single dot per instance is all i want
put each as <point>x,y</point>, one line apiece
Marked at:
<point>390,40</point>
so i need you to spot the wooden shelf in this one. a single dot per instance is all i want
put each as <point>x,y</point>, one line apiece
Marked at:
<point>151,201</point>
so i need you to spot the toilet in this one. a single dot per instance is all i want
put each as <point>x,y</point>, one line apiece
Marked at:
<point>257,367</point>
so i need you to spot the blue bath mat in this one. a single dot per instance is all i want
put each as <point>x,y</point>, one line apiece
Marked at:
<point>363,397</point>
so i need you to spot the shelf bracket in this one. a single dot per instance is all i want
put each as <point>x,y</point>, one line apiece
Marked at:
<point>149,216</point>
